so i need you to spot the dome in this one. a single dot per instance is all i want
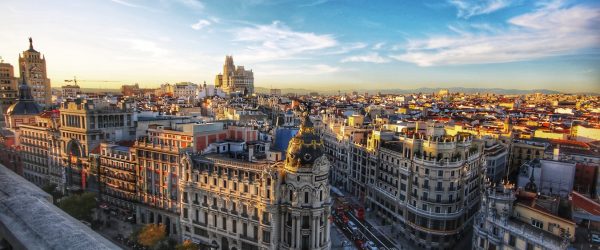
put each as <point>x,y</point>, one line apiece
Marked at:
<point>305,147</point>
<point>25,105</point>
<point>24,108</point>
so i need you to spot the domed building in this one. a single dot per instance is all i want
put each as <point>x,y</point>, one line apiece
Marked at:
<point>24,110</point>
<point>305,202</point>
<point>234,203</point>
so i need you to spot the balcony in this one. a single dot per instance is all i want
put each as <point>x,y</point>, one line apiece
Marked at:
<point>199,223</point>
<point>248,238</point>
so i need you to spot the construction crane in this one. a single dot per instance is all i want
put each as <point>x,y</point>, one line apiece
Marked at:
<point>74,80</point>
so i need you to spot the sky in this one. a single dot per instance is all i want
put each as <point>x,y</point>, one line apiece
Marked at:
<point>313,44</point>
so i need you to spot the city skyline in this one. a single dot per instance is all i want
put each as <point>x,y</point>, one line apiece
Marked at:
<point>321,44</point>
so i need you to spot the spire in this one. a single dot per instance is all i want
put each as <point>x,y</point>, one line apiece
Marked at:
<point>24,90</point>
<point>31,45</point>
<point>531,187</point>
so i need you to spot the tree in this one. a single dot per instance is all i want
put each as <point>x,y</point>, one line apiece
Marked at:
<point>79,206</point>
<point>151,235</point>
<point>187,245</point>
<point>51,189</point>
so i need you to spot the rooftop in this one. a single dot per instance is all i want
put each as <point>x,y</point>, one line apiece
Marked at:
<point>29,220</point>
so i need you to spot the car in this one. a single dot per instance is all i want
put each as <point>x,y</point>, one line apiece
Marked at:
<point>352,226</point>
<point>595,238</point>
<point>370,246</point>
<point>131,219</point>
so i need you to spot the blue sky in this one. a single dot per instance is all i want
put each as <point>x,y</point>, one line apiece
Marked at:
<point>316,44</point>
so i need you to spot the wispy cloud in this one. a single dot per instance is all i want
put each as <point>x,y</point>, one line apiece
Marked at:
<point>378,46</point>
<point>131,4</point>
<point>314,3</point>
<point>145,46</point>
<point>317,69</point>
<point>277,41</point>
<point>201,24</point>
<point>345,48</point>
<point>550,30</point>
<point>126,3</point>
<point>195,4</point>
<point>370,58</point>
<point>468,8</point>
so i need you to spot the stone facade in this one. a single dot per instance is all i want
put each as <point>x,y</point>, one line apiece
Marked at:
<point>235,79</point>
<point>32,65</point>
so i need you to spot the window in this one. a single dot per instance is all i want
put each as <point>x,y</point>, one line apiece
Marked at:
<point>512,241</point>
<point>537,223</point>
<point>305,197</point>
<point>234,226</point>
<point>529,246</point>
<point>224,221</point>
<point>305,222</point>
<point>266,236</point>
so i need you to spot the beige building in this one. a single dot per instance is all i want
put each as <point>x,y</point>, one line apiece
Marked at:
<point>522,151</point>
<point>428,187</point>
<point>39,150</point>
<point>159,155</point>
<point>117,176</point>
<point>251,203</point>
<point>70,91</point>
<point>32,65</point>
<point>8,86</point>
<point>235,79</point>
<point>520,219</point>
<point>83,125</point>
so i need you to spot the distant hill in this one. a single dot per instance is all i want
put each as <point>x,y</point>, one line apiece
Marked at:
<point>420,90</point>
<point>95,90</point>
<point>299,91</point>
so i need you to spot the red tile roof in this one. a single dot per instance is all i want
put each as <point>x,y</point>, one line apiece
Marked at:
<point>585,203</point>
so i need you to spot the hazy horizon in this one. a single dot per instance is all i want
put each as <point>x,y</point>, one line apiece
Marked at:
<point>320,45</point>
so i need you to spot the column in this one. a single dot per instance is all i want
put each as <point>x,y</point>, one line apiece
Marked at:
<point>281,228</point>
<point>298,235</point>
<point>293,239</point>
<point>315,231</point>
<point>328,224</point>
